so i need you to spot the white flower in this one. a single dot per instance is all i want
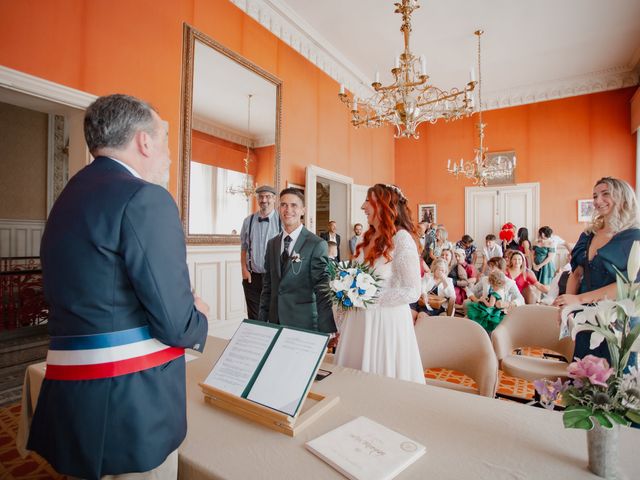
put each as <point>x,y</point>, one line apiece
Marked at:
<point>355,297</point>
<point>295,257</point>
<point>336,285</point>
<point>633,264</point>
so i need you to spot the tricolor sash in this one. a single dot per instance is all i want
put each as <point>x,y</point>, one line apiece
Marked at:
<point>106,355</point>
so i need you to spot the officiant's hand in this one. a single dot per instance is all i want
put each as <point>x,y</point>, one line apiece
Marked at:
<point>201,305</point>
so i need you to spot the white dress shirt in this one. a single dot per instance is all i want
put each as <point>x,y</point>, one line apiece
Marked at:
<point>294,236</point>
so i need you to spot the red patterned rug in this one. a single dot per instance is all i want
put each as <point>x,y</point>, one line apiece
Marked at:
<point>12,466</point>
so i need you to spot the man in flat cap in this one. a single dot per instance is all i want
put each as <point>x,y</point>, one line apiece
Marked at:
<point>257,229</point>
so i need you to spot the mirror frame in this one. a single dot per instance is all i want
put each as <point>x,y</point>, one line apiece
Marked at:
<point>190,35</point>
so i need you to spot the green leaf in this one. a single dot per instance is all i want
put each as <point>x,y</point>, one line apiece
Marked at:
<point>616,417</point>
<point>603,420</point>
<point>633,416</point>
<point>577,417</point>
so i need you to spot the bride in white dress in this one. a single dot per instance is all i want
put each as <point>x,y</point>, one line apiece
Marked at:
<point>381,338</point>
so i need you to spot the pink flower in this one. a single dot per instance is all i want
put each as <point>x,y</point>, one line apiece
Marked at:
<point>593,368</point>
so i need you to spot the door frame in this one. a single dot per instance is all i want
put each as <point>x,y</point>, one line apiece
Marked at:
<point>312,174</point>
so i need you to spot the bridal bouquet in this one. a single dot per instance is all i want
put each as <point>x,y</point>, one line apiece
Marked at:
<point>596,391</point>
<point>353,284</point>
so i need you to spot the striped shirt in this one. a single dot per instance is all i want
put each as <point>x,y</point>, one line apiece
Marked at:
<point>254,236</point>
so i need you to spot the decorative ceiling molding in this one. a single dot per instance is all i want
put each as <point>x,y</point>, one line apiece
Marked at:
<point>292,29</point>
<point>210,128</point>
<point>583,85</point>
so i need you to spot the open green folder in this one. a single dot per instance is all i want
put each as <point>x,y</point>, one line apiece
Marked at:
<point>271,365</point>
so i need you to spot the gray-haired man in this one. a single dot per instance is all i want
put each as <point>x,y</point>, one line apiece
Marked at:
<point>121,308</point>
<point>257,229</point>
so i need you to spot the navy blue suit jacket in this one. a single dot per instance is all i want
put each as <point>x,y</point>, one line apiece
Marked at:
<point>114,258</point>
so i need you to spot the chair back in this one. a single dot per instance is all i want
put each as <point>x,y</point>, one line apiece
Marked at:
<point>458,344</point>
<point>531,326</point>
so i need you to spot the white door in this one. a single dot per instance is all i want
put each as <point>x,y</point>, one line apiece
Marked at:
<point>358,196</point>
<point>488,208</point>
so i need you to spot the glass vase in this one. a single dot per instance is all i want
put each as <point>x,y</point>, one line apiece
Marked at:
<point>603,450</point>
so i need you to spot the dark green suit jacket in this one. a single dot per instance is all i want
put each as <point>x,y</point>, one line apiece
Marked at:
<point>298,296</point>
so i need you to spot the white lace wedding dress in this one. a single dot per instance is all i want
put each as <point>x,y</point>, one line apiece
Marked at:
<point>381,338</point>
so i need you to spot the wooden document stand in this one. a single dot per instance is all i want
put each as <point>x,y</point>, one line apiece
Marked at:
<point>273,419</point>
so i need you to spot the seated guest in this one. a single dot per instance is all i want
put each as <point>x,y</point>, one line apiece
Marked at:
<point>558,285</point>
<point>488,310</point>
<point>465,275</point>
<point>525,279</point>
<point>466,243</point>
<point>441,243</point>
<point>353,241</point>
<point>508,236</point>
<point>544,253</point>
<point>524,245</point>
<point>491,249</point>
<point>435,283</point>
<point>513,297</point>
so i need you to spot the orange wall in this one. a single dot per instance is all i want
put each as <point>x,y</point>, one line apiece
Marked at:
<point>135,47</point>
<point>220,153</point>
<point>566,145</point>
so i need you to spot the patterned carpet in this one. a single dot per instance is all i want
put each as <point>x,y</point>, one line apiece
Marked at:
<point>13,467</point>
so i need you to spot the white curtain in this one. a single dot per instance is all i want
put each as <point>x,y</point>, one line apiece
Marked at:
<point>201,197</point>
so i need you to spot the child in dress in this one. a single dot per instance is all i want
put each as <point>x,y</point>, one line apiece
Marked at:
<point>488,311</point>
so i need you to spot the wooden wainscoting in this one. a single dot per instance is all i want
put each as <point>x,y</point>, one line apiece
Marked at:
<point>20,238</point>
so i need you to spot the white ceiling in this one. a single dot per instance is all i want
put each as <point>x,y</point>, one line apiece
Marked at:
<point>220,99</point>
<point>532,50</point>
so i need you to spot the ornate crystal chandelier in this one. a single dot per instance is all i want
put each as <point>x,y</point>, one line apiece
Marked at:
<point>247,188</point>
<point>482,169</point>
<point>410,99</point>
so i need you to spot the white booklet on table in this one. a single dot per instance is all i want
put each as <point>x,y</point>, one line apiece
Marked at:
<point>270,365</point>
<point>365,450</point>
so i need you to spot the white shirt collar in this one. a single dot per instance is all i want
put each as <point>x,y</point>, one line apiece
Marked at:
<point>131,169</point>
<point>294,237</point>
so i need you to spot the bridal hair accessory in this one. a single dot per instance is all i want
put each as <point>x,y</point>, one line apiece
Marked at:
<point>397,190</point>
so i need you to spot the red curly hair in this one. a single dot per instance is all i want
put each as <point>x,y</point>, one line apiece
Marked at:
<point>393,213</point>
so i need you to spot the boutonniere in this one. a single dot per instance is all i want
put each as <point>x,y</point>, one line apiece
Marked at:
<point>295,257</point>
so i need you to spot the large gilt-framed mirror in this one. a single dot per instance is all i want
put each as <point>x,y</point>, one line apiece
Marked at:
<point>230,138</point>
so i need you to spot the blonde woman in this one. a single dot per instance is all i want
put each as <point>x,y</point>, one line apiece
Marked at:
<point>605,244</point>
<point>440,244</point>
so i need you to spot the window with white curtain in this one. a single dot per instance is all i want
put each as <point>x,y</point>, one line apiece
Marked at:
<point>211,208</point>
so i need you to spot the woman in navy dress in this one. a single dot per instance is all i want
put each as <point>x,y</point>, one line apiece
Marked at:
<point>605,244</point>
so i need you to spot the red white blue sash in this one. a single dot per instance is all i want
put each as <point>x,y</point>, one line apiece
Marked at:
<point>106,355</point>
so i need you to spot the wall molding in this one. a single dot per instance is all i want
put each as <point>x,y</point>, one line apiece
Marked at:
<point>41,88</point>
<point>211,128</point>
<point>20,238</point>
<point>293,30</point>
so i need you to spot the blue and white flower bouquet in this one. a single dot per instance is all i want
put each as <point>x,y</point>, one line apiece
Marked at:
<point>353,284</point>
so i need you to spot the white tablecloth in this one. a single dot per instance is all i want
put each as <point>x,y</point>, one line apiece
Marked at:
<point>467,436</point>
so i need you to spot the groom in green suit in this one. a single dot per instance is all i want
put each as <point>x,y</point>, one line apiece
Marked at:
<point>295,289</point>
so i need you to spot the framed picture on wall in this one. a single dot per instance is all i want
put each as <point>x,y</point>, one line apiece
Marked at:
<point>427,213</point>
<point>585,210</point>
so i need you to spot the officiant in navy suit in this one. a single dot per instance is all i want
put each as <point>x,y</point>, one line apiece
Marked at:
<point>295,288</point>
<point>121,310</point>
